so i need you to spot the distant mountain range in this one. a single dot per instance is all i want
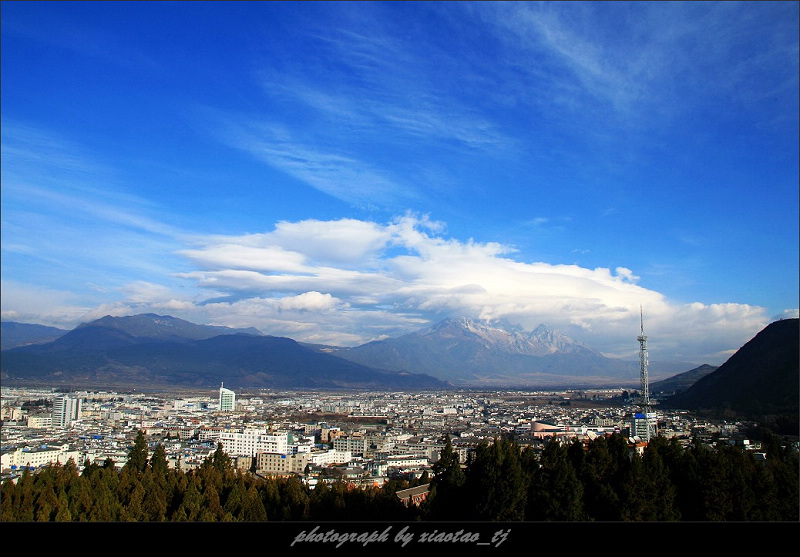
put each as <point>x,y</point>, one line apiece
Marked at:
<point>151,350</point>
<point>456,352</point>
<point>682,381</point>
<point>759,382</point>
<point>13,334</point>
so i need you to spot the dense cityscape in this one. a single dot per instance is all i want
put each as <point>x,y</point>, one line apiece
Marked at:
<point>407,457</point>
<point>364,436</point>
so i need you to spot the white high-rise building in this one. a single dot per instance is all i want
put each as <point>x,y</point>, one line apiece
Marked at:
<point>66,410</point>
<point>227,399</point>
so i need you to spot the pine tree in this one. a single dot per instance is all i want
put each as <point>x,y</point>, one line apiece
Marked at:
<point>252,507</point>
<point>221,461</point>
<point>213,510</point>
<point>135,507</point>
<point>634,499</point>
<point>191,504</point>
<point>137,457</point>
<point>46,502</point>
<point>497,483</point>
<point>89,467</point>
<point>601,501</point>
<point>446,498</point>
<point>63,514</point>
<point>105,505</point>
<point>80,498</point>
<point>294,499</point>
<point>660,488</point>
<point>234,500</point>
<point>555,493</point>
<point>25,497</point>
<point>8,510</point>
<point>783,471</point>
<point>716,500</point>
<point>158,462</point>
<point>154,506</point>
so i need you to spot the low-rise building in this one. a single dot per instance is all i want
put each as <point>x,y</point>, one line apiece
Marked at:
<point>278,464</point>
<point>38,457</point>
<point>413,495</point>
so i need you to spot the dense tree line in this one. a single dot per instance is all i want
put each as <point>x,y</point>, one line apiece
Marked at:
<point>604,481</point>
<point>147,489</point>
<point>500,482</point>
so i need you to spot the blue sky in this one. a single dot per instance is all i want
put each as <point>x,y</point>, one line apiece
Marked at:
<point>343,172</point>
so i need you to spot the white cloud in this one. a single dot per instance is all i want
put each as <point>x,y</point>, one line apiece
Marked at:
<point>28,303</point>
<point>309,301</point>
<point>408,266</point>
<point>304,280</point>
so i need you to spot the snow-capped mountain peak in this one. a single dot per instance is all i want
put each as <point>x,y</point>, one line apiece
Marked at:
<point>539,342</point>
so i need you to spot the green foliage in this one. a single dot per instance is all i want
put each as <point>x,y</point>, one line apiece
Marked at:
<point>137,457</point>
<point>601,480</point>
<point>497,482</point>
<point>446,498</point>
<point>158,462</point>
<point>555,492</point>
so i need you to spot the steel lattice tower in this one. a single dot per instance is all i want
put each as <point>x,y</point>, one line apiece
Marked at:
<point>643,376</point>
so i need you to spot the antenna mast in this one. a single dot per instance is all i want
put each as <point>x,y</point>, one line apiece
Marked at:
<point>643,375</point>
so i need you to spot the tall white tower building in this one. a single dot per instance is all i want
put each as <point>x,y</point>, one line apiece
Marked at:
<point>66,410</point>
<point>227,399</point>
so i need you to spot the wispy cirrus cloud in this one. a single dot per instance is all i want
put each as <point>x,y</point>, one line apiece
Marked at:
<point>653,59</point>
<point>82,218</point>
<point>326,168</point>
<point>378,94</point>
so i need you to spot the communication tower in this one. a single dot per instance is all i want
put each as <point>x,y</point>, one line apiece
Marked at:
<point>649,429</point>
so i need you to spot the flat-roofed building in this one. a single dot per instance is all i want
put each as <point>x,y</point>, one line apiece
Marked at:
<point>356,444</point>
<point>326,458</point>
<point>250,442</point>
<point>37,422</point>
<point>36,458</point>
<point>281,464</point>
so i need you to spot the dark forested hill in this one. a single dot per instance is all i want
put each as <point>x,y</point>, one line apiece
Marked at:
<point>761,381</point>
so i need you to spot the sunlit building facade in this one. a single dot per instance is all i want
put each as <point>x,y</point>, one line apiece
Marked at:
<point>227,399</point>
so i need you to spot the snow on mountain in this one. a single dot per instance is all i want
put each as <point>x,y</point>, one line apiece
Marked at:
<point>542,341</point>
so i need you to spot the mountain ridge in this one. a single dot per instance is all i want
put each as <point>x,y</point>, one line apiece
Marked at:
<point>14,334</point>
<point>458,351</point>
<point>760,381</point>
<point>682,381</point>
<point>160,350</point>
<point>470,352</point>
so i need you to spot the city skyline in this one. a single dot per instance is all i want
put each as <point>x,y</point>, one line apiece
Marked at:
<point>344,172</point>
